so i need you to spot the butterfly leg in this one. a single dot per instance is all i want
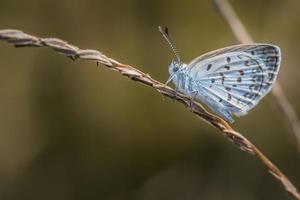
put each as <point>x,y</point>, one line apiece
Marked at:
<point>176,91</point>
<point>192,98</point>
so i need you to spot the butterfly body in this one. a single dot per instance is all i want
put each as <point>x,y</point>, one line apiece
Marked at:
<point>232,80</point>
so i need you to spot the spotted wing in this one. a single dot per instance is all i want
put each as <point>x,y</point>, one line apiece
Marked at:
<point>234,79</point>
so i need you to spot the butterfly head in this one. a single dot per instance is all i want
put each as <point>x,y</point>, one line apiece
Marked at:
<point>175,68</point>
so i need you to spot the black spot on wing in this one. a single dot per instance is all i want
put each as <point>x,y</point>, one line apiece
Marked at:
<point>208,67</point>
<point>229,97</point>
<point>250,62</point>
<point>228,59</point>
<point>271,76</point>
<point>227,67</point>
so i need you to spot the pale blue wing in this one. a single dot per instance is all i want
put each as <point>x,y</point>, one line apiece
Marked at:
<point>234,79</point>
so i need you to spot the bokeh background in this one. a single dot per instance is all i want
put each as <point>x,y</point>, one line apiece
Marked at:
<point>71,130</point>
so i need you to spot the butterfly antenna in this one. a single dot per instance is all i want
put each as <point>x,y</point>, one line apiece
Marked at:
<point>165,34</point>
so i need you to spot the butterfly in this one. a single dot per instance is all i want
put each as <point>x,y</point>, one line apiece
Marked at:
<point>230,81</point>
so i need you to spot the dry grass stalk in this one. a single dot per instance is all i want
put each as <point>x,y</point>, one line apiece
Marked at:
<point>21,39</point>
<point>243,36</point>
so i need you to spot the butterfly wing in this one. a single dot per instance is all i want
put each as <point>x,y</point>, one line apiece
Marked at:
<point>234,79</point>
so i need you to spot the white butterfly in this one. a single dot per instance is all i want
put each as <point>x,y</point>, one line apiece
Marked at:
<point>231,80</point>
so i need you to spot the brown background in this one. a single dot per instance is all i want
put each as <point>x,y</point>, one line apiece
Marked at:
<point>70,130</point>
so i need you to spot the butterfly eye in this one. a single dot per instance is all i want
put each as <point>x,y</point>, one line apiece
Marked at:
<point>176,68</point>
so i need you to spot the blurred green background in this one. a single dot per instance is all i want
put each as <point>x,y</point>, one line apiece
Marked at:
<point>70,130</point>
